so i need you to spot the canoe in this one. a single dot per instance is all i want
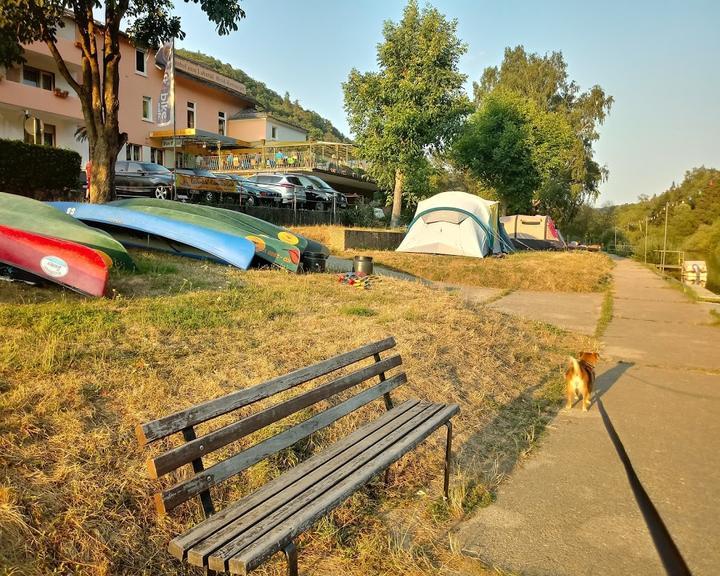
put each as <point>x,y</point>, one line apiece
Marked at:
<point>65,263</point>
<point>40,218</point>
<point>282,252</point>
<point>248,225</point>
<point>140,230</point>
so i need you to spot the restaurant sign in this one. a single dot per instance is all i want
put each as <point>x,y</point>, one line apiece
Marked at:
<point>199,71</point>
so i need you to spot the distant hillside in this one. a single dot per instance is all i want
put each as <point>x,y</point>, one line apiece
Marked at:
<point>283,108</point>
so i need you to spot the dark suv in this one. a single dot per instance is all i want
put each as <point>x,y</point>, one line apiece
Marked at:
<point>143,179</point>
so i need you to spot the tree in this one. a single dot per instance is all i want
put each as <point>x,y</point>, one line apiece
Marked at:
<point>529,106</point>
<point>414,104</point>
<point>151,23</point>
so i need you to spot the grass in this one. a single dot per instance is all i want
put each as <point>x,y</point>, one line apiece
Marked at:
<point>77,374</point>
<point>606,313</point>
<point>540,271</point>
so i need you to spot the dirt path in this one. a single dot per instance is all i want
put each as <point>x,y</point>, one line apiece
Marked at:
<point>569,509</point>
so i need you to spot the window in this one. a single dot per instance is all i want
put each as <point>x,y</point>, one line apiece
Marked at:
<point>147,108</point>
<point>38,78</point>
<point>157,156</point>
<point>273,133</point>
<point>140,61</point>
<point>191,114</point>
<point>49,135</point>
<point>133,152</point>
<point>221,123</point>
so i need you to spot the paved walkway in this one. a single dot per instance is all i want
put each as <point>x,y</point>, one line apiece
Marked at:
<point>569,509</point>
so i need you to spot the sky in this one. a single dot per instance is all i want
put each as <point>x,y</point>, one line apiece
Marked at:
<point>659,60</point>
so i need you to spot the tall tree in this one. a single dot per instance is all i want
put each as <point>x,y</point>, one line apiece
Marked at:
<point>414,104</point>
<point>561,122</point>
<point>151,23</point>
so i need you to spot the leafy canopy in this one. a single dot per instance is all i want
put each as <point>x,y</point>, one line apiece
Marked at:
<point>415,103</point>
<point>532,134</point>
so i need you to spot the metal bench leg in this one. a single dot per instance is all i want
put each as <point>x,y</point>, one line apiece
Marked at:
<point>448,455</point>
<point>291,555</point>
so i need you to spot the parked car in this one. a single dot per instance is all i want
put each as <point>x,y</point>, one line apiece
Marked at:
<point>289,187</point>
<point>143,179</point>
<point>320,184</point>
<point>253,195</point>
<point>201,185</point>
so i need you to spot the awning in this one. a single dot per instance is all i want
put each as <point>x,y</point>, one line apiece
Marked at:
<point>196,136</point>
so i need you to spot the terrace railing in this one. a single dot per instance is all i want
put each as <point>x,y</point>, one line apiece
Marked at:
<point>291,157</point>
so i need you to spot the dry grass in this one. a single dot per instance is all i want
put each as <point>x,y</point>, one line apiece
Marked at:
<point>76,375</point>
<point>540,271</point>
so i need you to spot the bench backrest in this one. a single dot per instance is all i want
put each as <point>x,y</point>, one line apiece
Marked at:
<point>195,448</point>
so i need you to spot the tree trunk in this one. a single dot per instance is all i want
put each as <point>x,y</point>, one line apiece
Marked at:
<point>397,198</point>
<point>103,157</point>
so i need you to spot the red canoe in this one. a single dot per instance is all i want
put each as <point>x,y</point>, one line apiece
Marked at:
<point>66,263</point>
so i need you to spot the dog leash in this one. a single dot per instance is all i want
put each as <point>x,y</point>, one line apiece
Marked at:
<point>668,551</point>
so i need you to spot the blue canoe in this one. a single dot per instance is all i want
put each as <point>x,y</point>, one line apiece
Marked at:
<point>139,230</point>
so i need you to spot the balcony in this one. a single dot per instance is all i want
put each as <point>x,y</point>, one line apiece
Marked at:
<point>325,157</point>
<point>31,98</point>
<point>70,52</point>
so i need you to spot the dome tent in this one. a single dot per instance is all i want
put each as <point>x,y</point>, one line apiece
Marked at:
<point>533,232</point>
<point>456,223</point>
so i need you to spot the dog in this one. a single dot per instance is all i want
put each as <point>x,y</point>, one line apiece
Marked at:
<point>580,378</point>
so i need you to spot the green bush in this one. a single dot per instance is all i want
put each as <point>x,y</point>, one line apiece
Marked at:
<point>37,171</point>
<point>358,215</point>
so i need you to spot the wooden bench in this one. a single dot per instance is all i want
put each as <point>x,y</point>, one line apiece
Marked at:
<point>247,532</point>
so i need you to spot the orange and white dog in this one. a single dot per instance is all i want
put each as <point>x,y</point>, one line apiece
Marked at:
<point>580,377</point>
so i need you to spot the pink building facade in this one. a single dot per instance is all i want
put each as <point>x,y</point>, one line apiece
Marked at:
<point>38,106</point>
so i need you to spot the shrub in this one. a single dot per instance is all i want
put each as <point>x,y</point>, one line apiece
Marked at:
<point>358,215</point>
<point>37,171</point>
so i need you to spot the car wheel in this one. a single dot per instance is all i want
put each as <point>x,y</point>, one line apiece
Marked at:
<point>250,202</point>
<point>162,192</point>
<point>209,197</point>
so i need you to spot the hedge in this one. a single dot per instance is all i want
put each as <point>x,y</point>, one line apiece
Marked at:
<point>32,170</point>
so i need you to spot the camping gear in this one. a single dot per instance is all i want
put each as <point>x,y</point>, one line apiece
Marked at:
<point>269,249</point>
<point>66,263</point>
<point>314,261</point>
<point>363,264</point>
<point>141,230</point>
<point>533,232</point>
<point>456,223</point>
<point>358,280</point>
<point>40,218</point>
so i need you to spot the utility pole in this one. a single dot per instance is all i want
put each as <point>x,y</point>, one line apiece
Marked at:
<point>646,234</point>
<point>665,238</point>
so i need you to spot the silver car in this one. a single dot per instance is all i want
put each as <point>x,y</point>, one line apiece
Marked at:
<point>290,188</point>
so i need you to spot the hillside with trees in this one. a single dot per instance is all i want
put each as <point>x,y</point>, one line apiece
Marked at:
<point>693,210</point>
<point>282,107</point>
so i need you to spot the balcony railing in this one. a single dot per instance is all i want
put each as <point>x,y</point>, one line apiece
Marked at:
<point>290,157</point>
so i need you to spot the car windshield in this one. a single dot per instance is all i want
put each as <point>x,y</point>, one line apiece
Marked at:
<point>203,172</point>
<point>150,167</point>
<point>261,179</point>
<point>319,183</point>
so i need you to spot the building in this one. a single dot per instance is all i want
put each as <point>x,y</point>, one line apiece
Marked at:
<point>257,126</point>
<point>38,106</point>
<point>215,118</point>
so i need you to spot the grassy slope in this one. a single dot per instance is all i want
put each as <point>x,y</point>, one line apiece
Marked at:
<point>76,375</point>
<point>546,271</point>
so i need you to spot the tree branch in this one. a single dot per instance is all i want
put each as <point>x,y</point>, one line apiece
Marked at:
<point>79,89</point>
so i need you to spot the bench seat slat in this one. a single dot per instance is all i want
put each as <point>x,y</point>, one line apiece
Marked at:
<point>157,429</point>
<point>172,497</point>
<point>281,502</point>
<point>179,545</point>
<point>311,506</point>
<point>176,457</point>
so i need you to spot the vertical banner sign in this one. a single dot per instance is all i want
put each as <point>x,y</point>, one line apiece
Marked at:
<point>166,103</point>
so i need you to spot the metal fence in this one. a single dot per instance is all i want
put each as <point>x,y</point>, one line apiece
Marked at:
<point>287,216</point>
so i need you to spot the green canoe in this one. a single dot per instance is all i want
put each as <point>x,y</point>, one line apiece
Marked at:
<point>274,244</point>
<point>40,218</point>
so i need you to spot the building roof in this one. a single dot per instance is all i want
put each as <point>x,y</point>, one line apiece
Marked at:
<point>253,114</point>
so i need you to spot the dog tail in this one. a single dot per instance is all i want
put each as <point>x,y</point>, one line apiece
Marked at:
<point>574,365</point>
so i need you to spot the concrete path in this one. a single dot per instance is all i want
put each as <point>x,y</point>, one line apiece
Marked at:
<point>568,310</point>
<point>568,509</point>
